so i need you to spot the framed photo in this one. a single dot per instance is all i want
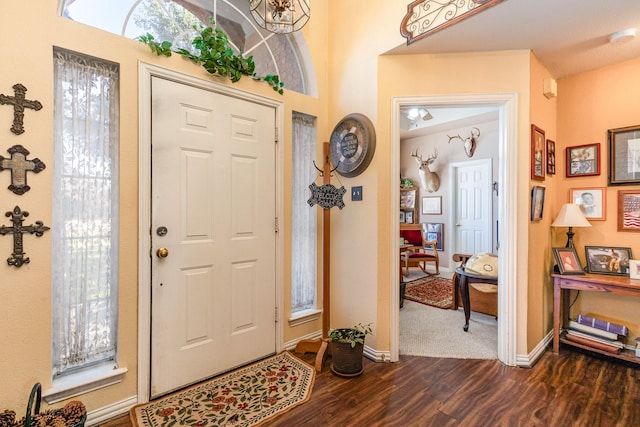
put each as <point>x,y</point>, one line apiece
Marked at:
<point>408,217</point>
<point>402,217</point>
<point>591,201</point>
<point>568,261</point>
<point>551,157</point>
<point>624,156</point>
<point>408,199</point>
<point>537,202</point>
<point>435,231</point>
<point>583,160</point>
<point>629,210</point>
<point>432,205</point>
<point>634,269</point>
<point>608,260</point>
<point>538,149</point>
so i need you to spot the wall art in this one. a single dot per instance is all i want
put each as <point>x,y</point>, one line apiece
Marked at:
<point>583,160</point>
<point>538,149</point>
<point>19,166</point>
<point>18,258</point>
<point>19,102</point>
<point>592,201</point>
<point>629,210</point>
<point>624,156</point>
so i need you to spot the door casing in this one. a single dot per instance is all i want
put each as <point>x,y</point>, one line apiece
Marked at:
<point>145,72</point>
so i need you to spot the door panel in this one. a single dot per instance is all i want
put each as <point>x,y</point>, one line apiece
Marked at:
<point>213,188</point>
<point>473,208</point>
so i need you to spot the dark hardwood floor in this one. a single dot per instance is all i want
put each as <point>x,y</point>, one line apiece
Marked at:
<point>571,389</point>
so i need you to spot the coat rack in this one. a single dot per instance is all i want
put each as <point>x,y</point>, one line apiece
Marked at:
<point>320,346</point>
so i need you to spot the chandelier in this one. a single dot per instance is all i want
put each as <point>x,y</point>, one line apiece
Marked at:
<point>280,16</point>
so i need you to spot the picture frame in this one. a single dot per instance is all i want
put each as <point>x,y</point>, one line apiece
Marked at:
<point>628,210</point>
<point>432,205</point>
<point>537,202</point>
<point>608,260</point>
<point>567,261</point>
<point>538,161</point>
<point>592,201</point>
<point>402,218</point>
<point>634,269</point>
<point>582,160</point>
<point>551,157</point>
<point>624,155</point>
<point>408,199</point>
<point>408,217</point>
<point>435,231</point>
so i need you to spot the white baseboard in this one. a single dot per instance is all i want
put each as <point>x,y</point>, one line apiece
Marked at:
<point>528,360</point>
<point>106,413</point>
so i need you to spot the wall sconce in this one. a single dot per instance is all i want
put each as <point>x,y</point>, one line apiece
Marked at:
<point>570,216</point>
<point>280,16</point>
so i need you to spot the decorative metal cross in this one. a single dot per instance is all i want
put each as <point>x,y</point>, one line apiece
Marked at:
<point>19,166</point>
<point>19,103</point>
<point>17,258</point>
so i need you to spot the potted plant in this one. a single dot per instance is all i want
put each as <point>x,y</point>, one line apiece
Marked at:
<point>347,347</point>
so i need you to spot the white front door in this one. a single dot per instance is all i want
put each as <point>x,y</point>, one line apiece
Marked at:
<point>213,237</point>
<point>473,207</point>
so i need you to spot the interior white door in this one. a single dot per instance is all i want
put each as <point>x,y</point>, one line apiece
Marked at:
<point>473,207</point>
<point>212,236</point>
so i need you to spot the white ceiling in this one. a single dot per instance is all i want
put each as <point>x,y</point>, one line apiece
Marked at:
<point>567,36</point>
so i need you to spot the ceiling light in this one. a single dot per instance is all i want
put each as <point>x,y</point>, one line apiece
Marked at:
<point>280,16</point>
<point>622,36</point>
<point>412,114</point>
<point>425,115</point>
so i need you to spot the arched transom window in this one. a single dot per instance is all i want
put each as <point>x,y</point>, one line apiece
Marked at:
<point>173,20</point>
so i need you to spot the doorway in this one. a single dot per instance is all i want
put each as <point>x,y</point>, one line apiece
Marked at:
<point>191,224</point>
<point>507,107</point>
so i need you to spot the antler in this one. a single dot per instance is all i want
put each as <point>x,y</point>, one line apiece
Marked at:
<point>418,157</point>
<point>434,156</point>
<point>473,135</point>
<point>454,137</point>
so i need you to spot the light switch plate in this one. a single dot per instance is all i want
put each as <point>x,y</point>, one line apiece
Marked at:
<point>356,194</point>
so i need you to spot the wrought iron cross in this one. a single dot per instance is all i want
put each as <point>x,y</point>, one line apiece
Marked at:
<point>19,103</point>
<point>17,258</point>
<point>19,166</point>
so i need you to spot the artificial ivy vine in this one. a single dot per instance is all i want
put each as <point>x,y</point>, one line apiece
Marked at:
<point>216,56</point>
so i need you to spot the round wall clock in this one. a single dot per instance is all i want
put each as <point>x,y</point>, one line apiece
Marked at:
<point>352,144</point>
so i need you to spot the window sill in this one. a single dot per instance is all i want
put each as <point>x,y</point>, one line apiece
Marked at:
<point>83,382</point>
<point>304,317</point>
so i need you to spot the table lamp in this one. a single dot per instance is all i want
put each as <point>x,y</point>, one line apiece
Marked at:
<point>570,216</point>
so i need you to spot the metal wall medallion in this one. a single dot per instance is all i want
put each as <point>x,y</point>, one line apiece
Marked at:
<point>327,196</point>
<point>19,166</point>
<point>17,258</point>
<point>19,103</point>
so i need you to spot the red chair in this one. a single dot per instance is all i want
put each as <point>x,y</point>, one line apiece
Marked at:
<point>422,250</point>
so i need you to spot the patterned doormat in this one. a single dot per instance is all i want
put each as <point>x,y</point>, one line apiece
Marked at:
<point>433,291</point>
<point>244,397</point>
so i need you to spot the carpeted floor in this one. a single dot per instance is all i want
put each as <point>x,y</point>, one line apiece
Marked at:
<point>432,332</point>
<point>245,397</point>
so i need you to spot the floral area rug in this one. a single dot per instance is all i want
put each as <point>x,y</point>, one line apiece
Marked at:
<point>245,397</point>
<point>433,291</point>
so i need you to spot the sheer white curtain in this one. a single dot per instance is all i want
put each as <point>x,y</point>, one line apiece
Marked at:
<point>303,217</point>
<point>85,211</point>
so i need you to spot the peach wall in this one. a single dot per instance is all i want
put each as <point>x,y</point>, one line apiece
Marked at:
<point>588,105</point>
<point>540,290</point>
<point>413,75</point>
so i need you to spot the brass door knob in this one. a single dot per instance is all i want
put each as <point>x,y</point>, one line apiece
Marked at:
<point>162,252</point>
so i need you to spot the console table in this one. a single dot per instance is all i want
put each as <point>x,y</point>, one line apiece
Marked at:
<point>621,285</point>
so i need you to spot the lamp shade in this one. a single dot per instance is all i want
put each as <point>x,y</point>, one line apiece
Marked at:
<point>571,216</point>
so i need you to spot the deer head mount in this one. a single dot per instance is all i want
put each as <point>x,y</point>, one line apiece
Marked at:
<point>469,142</point>
<point>430,180</point>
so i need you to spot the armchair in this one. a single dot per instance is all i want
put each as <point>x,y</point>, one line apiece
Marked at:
<point>421,252</point>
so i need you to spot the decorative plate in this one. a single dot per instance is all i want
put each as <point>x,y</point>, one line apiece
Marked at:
<point>352,144</point>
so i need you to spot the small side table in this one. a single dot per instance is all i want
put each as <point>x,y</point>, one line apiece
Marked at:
<point>466,278</point>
